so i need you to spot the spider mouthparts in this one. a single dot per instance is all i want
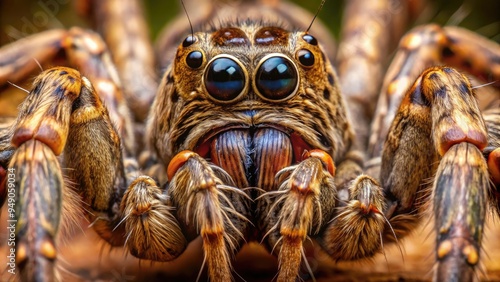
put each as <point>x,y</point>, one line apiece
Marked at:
<point>253,155</point>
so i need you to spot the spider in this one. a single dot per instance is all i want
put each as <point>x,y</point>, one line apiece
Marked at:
<point>251,135</point>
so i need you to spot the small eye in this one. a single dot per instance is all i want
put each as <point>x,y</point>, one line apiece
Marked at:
<point>310,39</point>
<point>188,41</point>
<point>194,59</point>
<point>306,58</point>
<point>224,79</point>
<point>276,78</point>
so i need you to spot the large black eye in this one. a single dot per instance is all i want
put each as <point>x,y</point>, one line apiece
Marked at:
<point>194,59</point>
<point>306,58</point>
<point>224,79</point>
<point>276,78</point>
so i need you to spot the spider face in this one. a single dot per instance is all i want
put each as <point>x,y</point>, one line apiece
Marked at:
<point>259,93</point>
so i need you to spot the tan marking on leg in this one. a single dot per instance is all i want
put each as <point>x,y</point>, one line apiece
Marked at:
<point>444,249</point>
<point>470,254</point>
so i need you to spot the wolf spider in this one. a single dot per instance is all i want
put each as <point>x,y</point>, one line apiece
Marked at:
<point>248,137</point>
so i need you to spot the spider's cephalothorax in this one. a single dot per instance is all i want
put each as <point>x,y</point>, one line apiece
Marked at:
<point>252,135</point>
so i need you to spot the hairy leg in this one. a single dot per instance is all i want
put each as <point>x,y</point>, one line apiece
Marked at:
<point>199,200</point>
<point>65,114</point>
<point>439,130</point>
<point>302,205</point>
<point>126,33</point>
<point>369,32</point>
<point>82,49</point>
<point>42,131</point>
<point>421,48</point>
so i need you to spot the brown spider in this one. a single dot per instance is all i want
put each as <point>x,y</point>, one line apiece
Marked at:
<point>248,137</point>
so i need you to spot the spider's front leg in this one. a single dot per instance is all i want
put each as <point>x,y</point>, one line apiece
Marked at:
<point>439,129</point>
<point>123,27</point>
<point>79,48</point>
<point>300,203</point>
<point>61,114</point>
<point>343,212</point>
<point>206,203</point>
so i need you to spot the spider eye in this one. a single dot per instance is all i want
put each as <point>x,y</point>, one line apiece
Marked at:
<point>194,59</point>
<point>306,58</point>
<point>188,41</point>
<point>276,78</point>
<point>224,79</point>
<point>310,39</point>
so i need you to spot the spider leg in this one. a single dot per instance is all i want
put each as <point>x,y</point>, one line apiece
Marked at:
<point>65,114</point>
<point>459,213</point>
<point>61,114</point>
<point>344,213</point>
<point>355,227</point>
<point>82,49</point>
<point>451,115</point>
<point>17,60</point>
<point>369,30</point>
<point>39,196</point>
<point>6,152</point>
<point>439,129</point>
<point>206,204</point>
<point>358,224</point>
<point>302,205</point>
<point>492,153</point>
<point>125,31</point>
<point>421,48</point>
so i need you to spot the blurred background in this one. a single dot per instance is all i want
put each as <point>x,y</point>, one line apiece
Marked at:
<point>19,18</point>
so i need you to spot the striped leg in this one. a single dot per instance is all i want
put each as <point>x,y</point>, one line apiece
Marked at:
<point>62,114</point>
<point>439,129</point>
